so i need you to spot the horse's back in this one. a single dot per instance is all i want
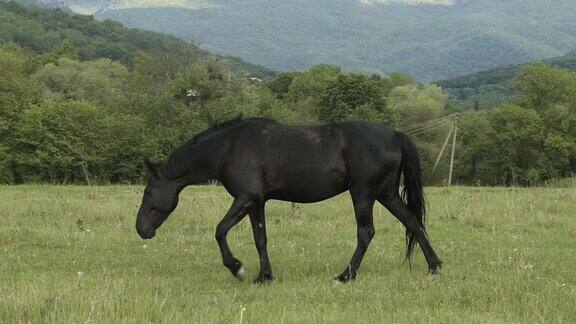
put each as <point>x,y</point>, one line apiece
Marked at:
<point>331,144</point>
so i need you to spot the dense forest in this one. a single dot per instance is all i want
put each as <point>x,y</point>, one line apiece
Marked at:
<point>82,99</point>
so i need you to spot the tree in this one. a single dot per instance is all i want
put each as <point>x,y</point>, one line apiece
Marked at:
<point>398,79</point>
<point>551,92</point>
<point>102,81</point>
<point>58,140</point>
<point>15,96</point>
<point>412,104</point>
<point>349,92</point>
<point>504,146</point>
<point>542,85</point>
<point>309,84</point>
<point>475,148</point>
<point>280,85</point>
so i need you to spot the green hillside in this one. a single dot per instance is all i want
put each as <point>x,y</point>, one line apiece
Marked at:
<point>43,31</point>
<point>490,88</point>
<point>429,42</point>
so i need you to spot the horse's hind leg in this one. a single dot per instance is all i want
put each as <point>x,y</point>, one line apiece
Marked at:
<point>398,208</point>
<point>235,214</point>
<point>365,232</point>
<point>258,221</point>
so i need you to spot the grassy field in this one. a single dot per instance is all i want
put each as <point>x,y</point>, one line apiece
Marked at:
<point>71,254</point>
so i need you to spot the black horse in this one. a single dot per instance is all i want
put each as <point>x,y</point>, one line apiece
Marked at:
<point>258,159</point>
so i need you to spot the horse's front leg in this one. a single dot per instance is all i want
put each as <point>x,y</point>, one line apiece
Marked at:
<point>258,221</point>
<point>235,214</point>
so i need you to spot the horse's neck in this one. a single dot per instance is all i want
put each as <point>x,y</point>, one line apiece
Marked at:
<point>208,156</point>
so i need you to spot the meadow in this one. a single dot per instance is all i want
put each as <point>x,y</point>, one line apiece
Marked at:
<point>71,254</point>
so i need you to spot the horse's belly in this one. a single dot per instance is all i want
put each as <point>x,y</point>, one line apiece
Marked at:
<point>307,196</point>
<point>309,186</point>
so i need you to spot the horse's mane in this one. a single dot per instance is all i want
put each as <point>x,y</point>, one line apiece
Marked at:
<point>177,162</point>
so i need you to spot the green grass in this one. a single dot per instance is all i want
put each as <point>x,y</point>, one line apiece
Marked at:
<point>71,254</point>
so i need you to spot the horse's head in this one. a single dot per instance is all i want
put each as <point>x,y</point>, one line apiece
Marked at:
<point>159,200</point>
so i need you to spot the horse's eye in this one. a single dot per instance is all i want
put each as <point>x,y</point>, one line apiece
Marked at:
<point>147,192</point>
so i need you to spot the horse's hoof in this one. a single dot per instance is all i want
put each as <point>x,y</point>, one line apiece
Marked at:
<point>263,279</point>
<point>343,278</point>
<point>434,267</point>
<point>237,269</point>
<point>240,273</point>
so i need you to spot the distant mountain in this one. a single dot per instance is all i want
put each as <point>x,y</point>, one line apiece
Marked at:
<point>429,39</point>
<point>490,88</point>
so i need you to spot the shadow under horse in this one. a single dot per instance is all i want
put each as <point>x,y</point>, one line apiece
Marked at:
<point>258,159</point>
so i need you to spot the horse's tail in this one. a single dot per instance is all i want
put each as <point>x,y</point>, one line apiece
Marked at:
<point>413,193</point>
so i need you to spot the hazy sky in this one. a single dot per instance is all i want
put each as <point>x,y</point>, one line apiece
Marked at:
<point>412,2</point>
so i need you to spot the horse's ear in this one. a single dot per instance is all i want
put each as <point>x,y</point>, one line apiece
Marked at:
<point>152,167</point>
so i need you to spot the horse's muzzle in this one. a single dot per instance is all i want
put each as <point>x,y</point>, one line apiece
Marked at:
<point>147,233</point>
